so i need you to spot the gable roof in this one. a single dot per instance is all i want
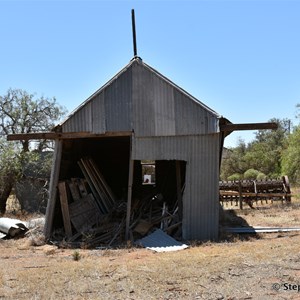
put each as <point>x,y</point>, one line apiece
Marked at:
<point>140,98</point>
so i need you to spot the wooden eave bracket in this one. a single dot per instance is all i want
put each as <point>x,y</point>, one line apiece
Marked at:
<point>227,127</point>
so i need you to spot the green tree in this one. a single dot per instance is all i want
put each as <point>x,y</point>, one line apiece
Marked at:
<point>264,153</point>
<point>251,174</point>
<point>235,177</point>
<point>291,157</point>
<point>234,163</point>
<point>22,112</point>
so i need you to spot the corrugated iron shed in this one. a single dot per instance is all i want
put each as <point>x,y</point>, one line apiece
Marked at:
<point>158,121</point>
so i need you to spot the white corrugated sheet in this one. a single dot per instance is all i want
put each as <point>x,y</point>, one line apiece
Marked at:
<point>159,241</point>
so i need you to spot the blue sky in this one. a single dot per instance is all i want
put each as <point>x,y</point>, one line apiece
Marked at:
<point>241,58</point>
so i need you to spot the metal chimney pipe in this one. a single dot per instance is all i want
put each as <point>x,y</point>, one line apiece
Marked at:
<point>133,33</point>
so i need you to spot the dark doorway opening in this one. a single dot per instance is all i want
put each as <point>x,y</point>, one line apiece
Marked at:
<point>154,204</point>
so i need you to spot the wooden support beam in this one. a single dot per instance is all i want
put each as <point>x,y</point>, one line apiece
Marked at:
<point>63,135</point>
<point>178,187</point>
<point>248,126</point>
<point>129,196</point>
<point>240,195</point>
<point>129,193</point>
<point>63,196</point>
<point>53,188</point>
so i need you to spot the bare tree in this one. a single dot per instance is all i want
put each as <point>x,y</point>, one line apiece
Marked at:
<point>22,112</point>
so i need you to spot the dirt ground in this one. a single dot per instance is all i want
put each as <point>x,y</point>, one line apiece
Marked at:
<point>265,266</point>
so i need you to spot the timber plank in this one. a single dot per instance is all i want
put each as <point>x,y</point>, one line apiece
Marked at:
<point>63,196</point>
<point>74,190</point>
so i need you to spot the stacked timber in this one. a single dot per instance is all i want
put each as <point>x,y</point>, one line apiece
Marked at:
<point>94,217</point>
<point>104,196</point>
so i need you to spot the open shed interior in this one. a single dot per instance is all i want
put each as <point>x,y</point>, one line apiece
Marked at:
<point>92,197</point>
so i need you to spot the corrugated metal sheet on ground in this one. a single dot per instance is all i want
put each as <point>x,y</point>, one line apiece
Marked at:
<point>258,229</point>
<point>159,241</point>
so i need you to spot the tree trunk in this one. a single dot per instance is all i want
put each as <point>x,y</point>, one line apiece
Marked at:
<point>25,145</point>
<point>5,190</point>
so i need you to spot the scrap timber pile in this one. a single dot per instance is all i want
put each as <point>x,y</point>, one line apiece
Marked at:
<point>93,216</point>
<point>249,191</point>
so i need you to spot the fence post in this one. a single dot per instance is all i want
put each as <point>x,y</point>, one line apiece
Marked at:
<point>240,195</point>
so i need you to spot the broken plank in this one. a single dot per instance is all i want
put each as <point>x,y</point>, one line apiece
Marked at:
<point>85,213</point>
<point>82,188</point>
<point>74,190</point>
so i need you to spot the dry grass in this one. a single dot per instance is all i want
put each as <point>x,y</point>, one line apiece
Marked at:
<point>209,271</point>
<point>242,269</point>
<point>276,214</point>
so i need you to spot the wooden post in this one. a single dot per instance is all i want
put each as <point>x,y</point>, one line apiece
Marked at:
<point>129,193</point>
<point>53,188</point>
<point>178,186</point>
<point>63,196</point>
<point>240,195</point>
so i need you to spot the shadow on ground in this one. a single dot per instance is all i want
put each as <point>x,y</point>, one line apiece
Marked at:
<point>229,218</point>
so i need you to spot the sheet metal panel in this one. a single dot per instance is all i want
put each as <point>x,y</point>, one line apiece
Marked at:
<point>163,101</point>
<point>200,199</point>
<point>108,110</point>
<point>160,108</point>
<point>118,106</point>
<point>191,118</point>
<point>98,114</point>
<point>79,121</point>
<point>142,102</point>
<point>205,107</point>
